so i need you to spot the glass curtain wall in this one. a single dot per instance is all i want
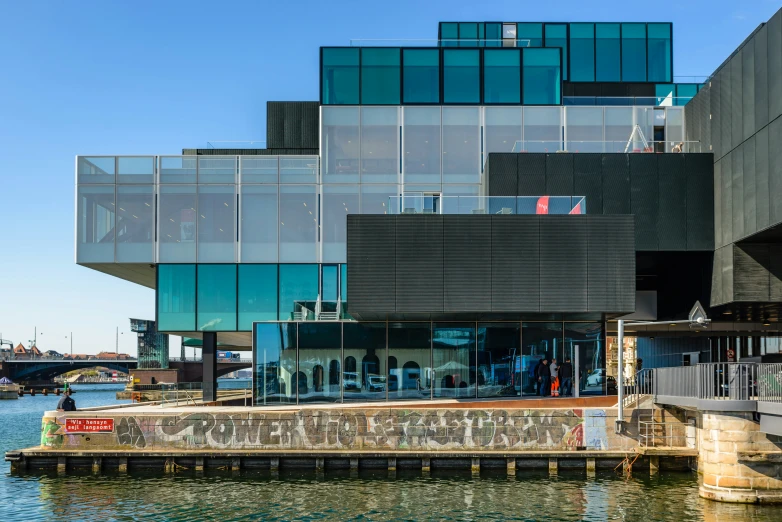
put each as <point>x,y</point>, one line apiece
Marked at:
<point>501,128</point>
<point>499,360</point>
<point>135,224</point>
<point>556,36</point>
<point>542,79</point>
<point>275,363</point>
<point>136,169</point>
<point>542,129</point>
<point>608,64</point>
<point>259,226</point>
<point>659,53</point>
<point>379,144</point>
<point>216,222</point>
<point>421,144</point>
<point>461,145</point>
<point>177,223</point>
<point>380,75</point>
<point>409,361</point>
<point>589,340</point>
<point>298,223</point>
<point>502,76</point>
<point>453,360</point>
<point>461,76</point>
<point>582,52</point>
<point>529,35</point>
<point>176,298</point>
<point>340,76</point>
<point>421,76</point>
<point>257,299</point>
<point>320,353</point>
<point>633,52</point>
<point>584,129</point>
<point>298,292</point>
<point>337,201</point>
<point>95,228</point>
<point>340,142</point>
<point>540,341</point>
<point>216,298</point>
<point>364,362</point>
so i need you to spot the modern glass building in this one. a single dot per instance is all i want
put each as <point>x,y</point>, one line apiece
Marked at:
<point>440,219</point>
<point>152,346</point>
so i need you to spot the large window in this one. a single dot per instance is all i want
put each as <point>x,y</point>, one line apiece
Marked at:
<point>618,127</point>
<point>584,129</point>
<point>337,201</point>
<point>217,298</point>
<point>177,223</point>
<point>449,34</point>
<point>409,361</point>
<point>556,36</point>
<point>259,169</point>
<point>421,76</point>
<point>529,35</point>
<point>468,34</point>
<point>274,365</point>
<point>259,223</point>
<point>453,360</point>
<point>176,298</point>
<point>499,360</point>
<point>422,145</point>
<point>257,294</point>
<point>461,145</point>
<point>502,129</point>
<point>216,221</point>
<point>582,52</point>
<point>298,292</point>
<point>340,76</point>
<point>380,76</point>
<point>540,341</point>
<point>542,79</point>
<point>364,362</point>
<point>588,339</point>
<point>502,76</point>
<point>542,129</point>
<point>178,169</point>
<point>99,169</point>
<point>379,145</point>
<point>633,52</point>
<point>135,223</point>
<point>320,353</point>
<point>659,53</point>
<point>461,76</point>
<point>298,223</point>
<point>217,169</point>
<point>340,144</point>
<point>95,232</point>
<point>608,55</point>
<point>375,199</point>
<point>136,169</point>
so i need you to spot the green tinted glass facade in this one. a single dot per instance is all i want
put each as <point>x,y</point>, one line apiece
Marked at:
<point>608,66</point>
<point>659,66</point>
<point>339,76</point>
<point>468,34</point>
<point>633,52</point>
<point>582,52</point>
<point>542,80</point>
<point>449,34</point>
<point>257,294</point>
<point>216,310</point>
<point>461,76</point>
<point>298,292</point>
<point>421,69</point>
<point>176,298</point>
<point>502,76</point>
<point>529,35</point>
<point>380,76</point>
<point>556,36</point>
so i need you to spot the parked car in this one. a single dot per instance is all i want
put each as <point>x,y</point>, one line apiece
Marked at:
<point>350,381</point>
<point>596,377</point>
<point>376,383</point>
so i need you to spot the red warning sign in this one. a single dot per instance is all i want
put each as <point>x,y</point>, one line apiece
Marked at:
<point>89,425</point>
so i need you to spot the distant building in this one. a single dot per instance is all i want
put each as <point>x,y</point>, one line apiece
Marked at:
<point>51,354</point>
<point>20,352</point>
<point>152,346</point>
<point>111,356</point>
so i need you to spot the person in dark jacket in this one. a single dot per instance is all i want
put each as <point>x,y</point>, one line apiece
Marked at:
<point>66,403</point>
<point>544,378</point>
<point>566,378</point>
<point>534,376</point>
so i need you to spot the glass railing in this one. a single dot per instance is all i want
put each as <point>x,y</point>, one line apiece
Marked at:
<point>434,42</point>
<point>431,204</point>
<point>617,146</point>
<point>626,101</point>
<point>256,144</point>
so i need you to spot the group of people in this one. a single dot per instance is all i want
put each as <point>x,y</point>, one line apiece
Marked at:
<point>554,379</point>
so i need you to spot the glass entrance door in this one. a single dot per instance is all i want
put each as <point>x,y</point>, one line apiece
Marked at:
<point>540,342</point>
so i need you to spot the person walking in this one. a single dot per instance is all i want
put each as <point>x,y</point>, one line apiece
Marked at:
<point>566,378</point>
<point>544,378</point>
<point>66,402</point>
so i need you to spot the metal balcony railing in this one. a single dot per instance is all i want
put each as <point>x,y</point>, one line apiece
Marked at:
<point>734,381</point>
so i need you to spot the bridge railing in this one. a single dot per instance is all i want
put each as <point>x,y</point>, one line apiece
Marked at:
<point>732,381</point>
<point>770,382</point>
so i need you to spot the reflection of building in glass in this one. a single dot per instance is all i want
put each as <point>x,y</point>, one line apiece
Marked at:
<point>630,357</point>
<point>152,346</point>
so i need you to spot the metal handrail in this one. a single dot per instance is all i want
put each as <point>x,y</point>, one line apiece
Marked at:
<point>769,382</point>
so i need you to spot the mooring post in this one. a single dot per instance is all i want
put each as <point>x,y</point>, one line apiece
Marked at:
<point>169,468</point>
<point>654,465</point>
<point>553,465</point>
<point>62,465</point>
<point>510,465</point>
<point>123,465</point>
<point>591,466</point>
<point>426,465</point>
<point>97,464</point>
<point>392,464</point>
<point>319,463</point>
<point>476,466</point>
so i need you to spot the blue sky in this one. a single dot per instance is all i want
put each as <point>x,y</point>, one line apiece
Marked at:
<point>152,77</point>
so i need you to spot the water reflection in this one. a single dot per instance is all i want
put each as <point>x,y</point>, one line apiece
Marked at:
<point>295,495</point>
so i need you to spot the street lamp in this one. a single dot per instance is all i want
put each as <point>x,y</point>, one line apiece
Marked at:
<point>116,347</point>
<point>71,337</point>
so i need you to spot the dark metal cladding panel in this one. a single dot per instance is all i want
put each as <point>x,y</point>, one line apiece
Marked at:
<point>588,180</point>
<point>737,169</point>
<point>736,86</point>
<point>750,197</point>
<point>371,250</point>
<point>532,174</point>
<point>726,99</point>
<point>250,152</point>
<point>775,272</point>
<point>700,179</point>
<point>616,184</point>
<point>715,109</point>
<point>775,170</point>
<point>292,132</point>
<point>726,173</point>
<point>751,276</point>
<point>672,208</point>
<point>774,57</point>
<point>275,125</point>
<point>761,78</point>
<point>310,125</point>
<point>705,120</point>
<point>419,263</point>
<point>748,88</point>
<point>762,191</point>
<point>467,264</point>
<point>717,206</point>
<point>559,175</point>
<point>503,174</point>
<point>292,125</point>
<point>611,264</point>
<point>563,263</point>
<point>716,279</point>
<point>691,121</point>
<point>644,188</point>
<point>515,269</point>
<point>727,273</point>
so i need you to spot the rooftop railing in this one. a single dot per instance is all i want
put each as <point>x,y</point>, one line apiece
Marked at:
<point>620,146</point>
<point>434,42</point>
<point>626,101</point>
<point>430,204</point>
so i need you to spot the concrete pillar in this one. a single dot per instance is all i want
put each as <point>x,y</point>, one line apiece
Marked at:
<point>391,464</point>
<point>62,465</point>
<point>123,465</point>
<point>236,464</point>
<point>170,467</point>
<point>510,465</point>
<point>426,466</point>
<point>199,464</point>
<point>97,464</point>
<point>476,466</point>
<point>739,462</point>
<point>654,465</point>
<point>591,465</point>
<point>209,358</point>
<point>274,464</point>
<point>553,465</point>
<point>319,463</point>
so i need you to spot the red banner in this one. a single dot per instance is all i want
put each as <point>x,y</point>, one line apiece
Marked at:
<point>89,425</point>
<point>542,207</point>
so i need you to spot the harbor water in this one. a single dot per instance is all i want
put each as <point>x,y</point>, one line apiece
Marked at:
<point>304,495</point>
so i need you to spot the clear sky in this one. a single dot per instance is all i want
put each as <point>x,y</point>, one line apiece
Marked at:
<point>152,77</point>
